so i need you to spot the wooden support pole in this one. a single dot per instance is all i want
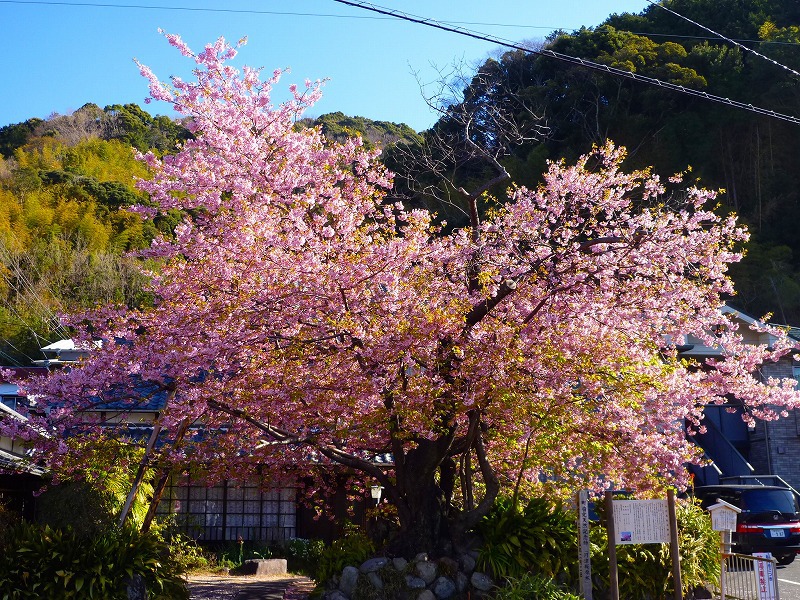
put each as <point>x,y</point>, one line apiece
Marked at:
<point>163,479</point>
<point>613,592</point>
<point>137,481</point>
<point>140,473</point>
<point>674,549</point>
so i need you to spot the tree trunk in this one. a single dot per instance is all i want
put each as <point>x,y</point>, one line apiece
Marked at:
<point>421,505</point>
<point>424,525</point>
<point>425,481</point>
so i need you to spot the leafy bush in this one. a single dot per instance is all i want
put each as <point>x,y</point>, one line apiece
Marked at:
<point>533,587</point>
<point>351,549</point>
<point>50,563</point>
<point>183,550</point>
<point>232,555</point>
<point>77,506</point>
<point>303,555</point>
<point>540,538</point>
<point>8,519</point>
<point>645,570</point>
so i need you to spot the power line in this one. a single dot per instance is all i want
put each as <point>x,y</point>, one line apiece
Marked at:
<point>13,264</point>
<point>338,16</point>
<point>185,9</point>
<point>571,60</point>
<point>727,39</point>
<point>5,341</point>
<point>11,358</point>
<point>451,26</point>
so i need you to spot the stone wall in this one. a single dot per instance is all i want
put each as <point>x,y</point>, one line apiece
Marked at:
<point>419,579</point>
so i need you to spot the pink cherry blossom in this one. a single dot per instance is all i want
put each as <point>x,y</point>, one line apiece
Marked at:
<point>301,321</point>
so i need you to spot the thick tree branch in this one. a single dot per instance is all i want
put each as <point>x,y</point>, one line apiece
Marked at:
<point>469,519</point>
<point>479,311</point>
<point>328,450</point>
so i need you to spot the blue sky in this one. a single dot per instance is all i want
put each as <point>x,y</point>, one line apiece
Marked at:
<point>63,54</point>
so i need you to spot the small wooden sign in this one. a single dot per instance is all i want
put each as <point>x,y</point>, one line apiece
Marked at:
<point>723,516</point>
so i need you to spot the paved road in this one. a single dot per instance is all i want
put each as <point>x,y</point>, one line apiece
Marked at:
<point>789,581</point>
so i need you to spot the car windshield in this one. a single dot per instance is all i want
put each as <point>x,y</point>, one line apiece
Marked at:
<point>757,501</point>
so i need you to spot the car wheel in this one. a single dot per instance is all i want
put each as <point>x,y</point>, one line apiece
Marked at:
<point>784,559</point>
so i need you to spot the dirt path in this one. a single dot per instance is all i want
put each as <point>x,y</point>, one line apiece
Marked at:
<point>210,587</point>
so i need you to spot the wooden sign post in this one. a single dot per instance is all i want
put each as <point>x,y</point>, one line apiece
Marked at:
<point>612,548</point>
<point>723,519</point>
<point>584,545</point>
<point>674,549</point>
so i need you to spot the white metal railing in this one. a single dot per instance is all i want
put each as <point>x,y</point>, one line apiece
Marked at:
<point>744,577</point>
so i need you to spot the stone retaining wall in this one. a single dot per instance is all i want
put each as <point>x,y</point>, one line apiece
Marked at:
<point>419,579</point>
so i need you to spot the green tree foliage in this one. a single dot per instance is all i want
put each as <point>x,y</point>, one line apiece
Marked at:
<point>127,123</point>
<point>135,127</point>
<point>338,126</point>
<point>16,135</point>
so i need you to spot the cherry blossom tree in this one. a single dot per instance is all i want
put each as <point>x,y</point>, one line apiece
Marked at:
<point>302,321</point>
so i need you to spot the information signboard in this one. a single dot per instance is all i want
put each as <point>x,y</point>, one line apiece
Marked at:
<point>641,521</point>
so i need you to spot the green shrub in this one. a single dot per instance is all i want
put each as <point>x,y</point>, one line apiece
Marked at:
<point>77,506</point>
<point>184,552</point>
<point>303,555</point>
<point>8,519</point>
<point>533,587</point>
<point>645,570</point>
<point>232,555</point>
<point>183,547</point>
<point>50,563</point>
<point>540,538</point>
<point>90,508</point>
<point>351,549</point>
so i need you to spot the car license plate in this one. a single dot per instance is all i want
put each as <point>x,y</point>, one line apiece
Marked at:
<point>777,533</point>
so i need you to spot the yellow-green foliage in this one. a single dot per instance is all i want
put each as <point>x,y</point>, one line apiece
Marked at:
<point>73,192</point>
<point>63,229</point>
<point>100,159</point>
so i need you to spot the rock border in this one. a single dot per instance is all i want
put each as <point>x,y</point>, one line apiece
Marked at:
<point>418,579</point>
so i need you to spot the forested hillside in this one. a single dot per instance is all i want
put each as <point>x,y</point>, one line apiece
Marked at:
<point>65,185</point>
<point>63,182</point>
<point>561,110</point>
<point>66,180</point>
